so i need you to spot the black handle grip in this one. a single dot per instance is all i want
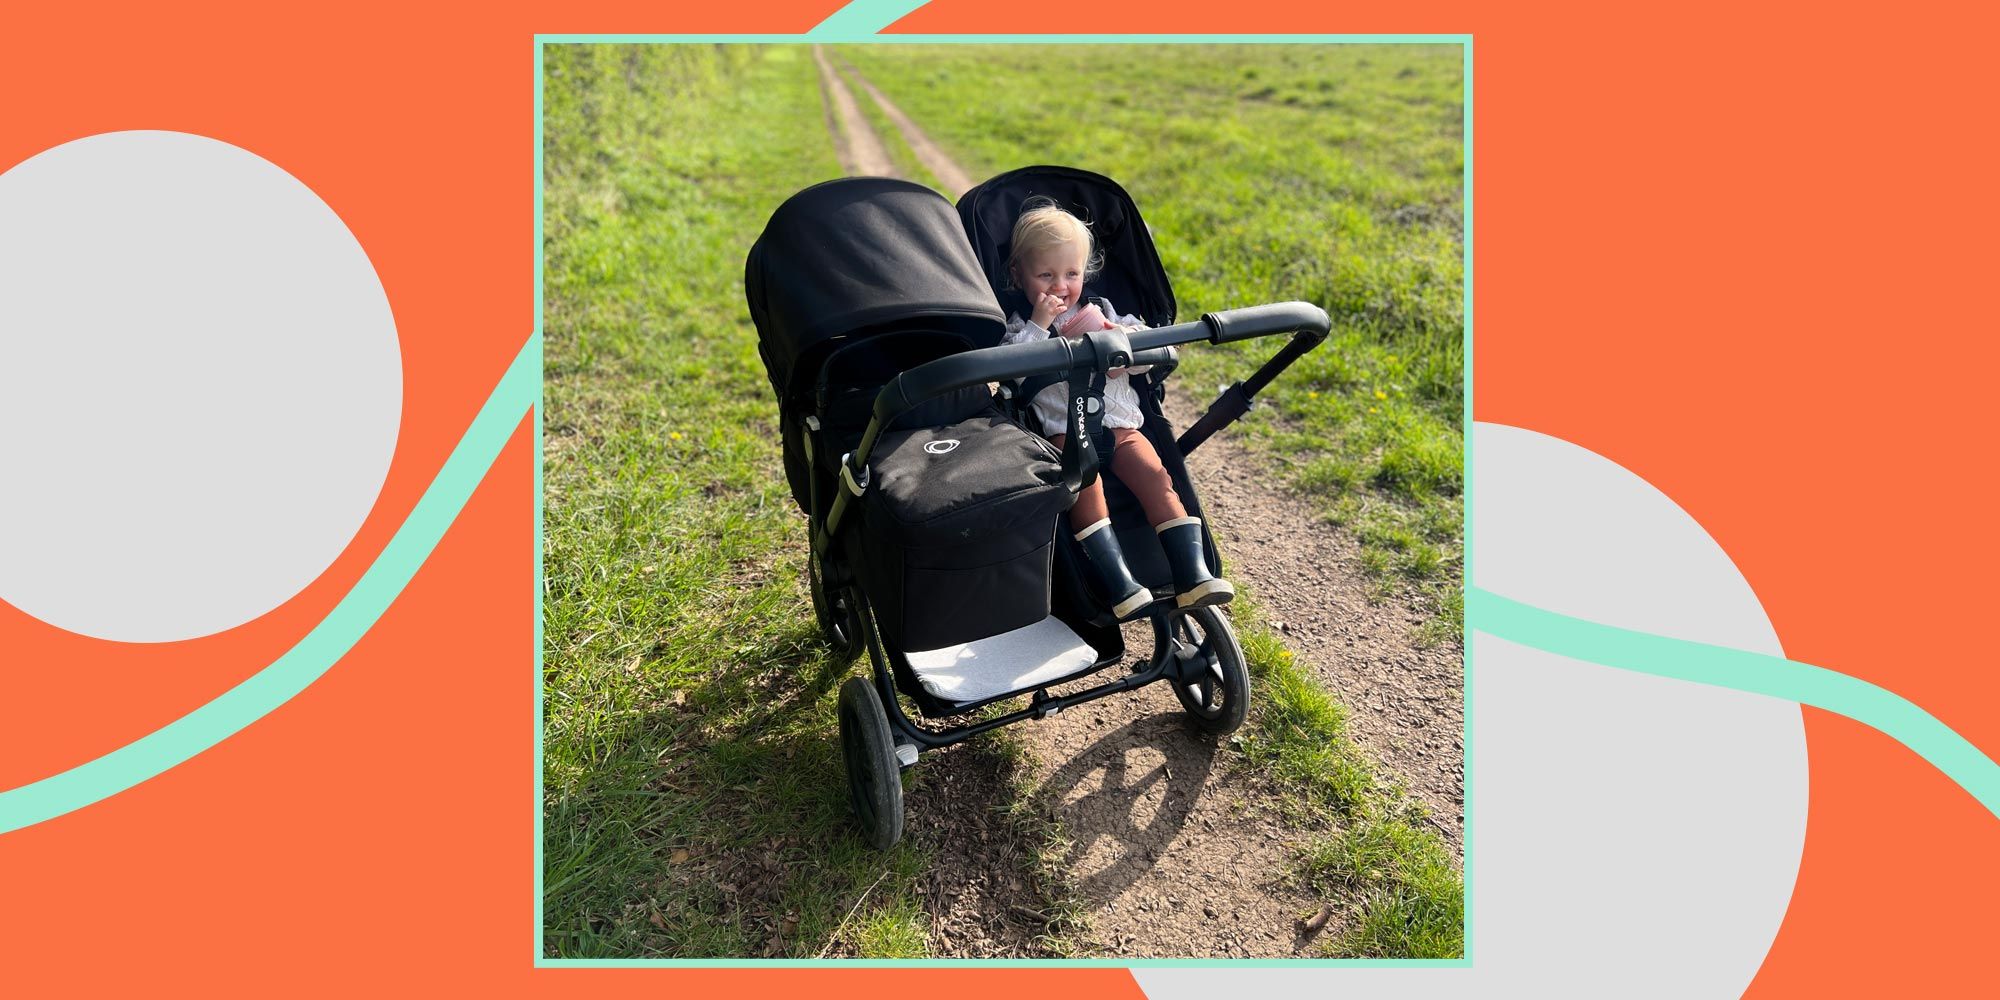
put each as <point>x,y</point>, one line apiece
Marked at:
<point>1262,321</point>
<point>1156,356</point>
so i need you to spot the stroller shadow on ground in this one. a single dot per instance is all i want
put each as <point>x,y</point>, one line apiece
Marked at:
<point>1126,797</point>
<point>776,690</point>
<point>978,886</point>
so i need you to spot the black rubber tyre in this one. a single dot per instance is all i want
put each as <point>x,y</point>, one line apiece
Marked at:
<point>838,615</point>
<point>874,781</point>
<point>1218,701</point>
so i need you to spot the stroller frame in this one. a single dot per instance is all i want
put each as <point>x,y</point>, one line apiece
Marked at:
<point>886,270</point>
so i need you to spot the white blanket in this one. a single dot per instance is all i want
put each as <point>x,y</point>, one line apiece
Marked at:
<point>1008,663</point>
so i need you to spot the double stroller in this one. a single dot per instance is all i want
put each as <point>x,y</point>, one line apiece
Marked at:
<point>937,518</point>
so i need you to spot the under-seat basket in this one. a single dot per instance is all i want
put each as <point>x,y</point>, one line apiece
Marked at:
<point>957,531</point>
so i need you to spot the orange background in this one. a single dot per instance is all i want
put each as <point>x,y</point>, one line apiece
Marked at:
<point>1740,253</point>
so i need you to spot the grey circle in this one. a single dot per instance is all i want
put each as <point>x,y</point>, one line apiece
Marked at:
<point>200,386</point>
<point>1629,835</point>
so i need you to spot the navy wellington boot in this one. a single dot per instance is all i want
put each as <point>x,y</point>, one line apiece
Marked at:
<point>1194,585</point>
<point>1100,549</point>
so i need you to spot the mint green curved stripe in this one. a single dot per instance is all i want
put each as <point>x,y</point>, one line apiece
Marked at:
<point>1891,713</point>
<point>303,664</point>
<point>861,19</point>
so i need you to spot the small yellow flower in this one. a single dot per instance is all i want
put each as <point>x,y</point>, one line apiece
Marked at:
<point>1379,394</point>
<point>1285,653</point>
<point>1312,395</point>
<point>676,435</point>
<point>1374,409</point>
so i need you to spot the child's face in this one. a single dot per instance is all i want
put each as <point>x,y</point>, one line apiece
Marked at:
<point>1057,271</point>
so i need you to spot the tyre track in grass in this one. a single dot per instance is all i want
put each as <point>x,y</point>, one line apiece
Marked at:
<point>954,178</point>
<point>858,148</point>
<point>1167,850</point>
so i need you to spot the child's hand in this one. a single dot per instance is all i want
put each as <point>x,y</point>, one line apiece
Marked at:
<point>1047,308</point>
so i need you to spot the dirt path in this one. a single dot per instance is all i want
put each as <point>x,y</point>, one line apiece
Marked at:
<point>858,148</point>
<point>1406,705</point>
<point>954,178</point>
<point>1170,854</point>
<point>1174,854</point>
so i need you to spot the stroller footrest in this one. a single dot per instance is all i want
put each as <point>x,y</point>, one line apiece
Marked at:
<point>1009,663</point>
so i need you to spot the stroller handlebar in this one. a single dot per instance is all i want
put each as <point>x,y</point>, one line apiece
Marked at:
<point>1057,354</point>
<point>1307,322</point>
<point>1261,321</point>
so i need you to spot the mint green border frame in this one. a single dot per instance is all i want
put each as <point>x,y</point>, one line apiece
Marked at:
<point>858,28</point>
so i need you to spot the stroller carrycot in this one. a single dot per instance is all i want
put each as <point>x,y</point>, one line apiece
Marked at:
<point>854,260</point>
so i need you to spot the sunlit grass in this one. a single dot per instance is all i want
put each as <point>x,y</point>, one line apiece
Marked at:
<point>695,804</point>
<point>1365,846</point>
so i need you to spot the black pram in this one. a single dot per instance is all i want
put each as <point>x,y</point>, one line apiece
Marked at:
<point>935,516</point>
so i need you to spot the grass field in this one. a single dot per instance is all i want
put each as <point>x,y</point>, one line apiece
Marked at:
<point>693,800</point>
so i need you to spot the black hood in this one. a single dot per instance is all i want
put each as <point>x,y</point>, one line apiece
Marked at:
<point>861,255</point>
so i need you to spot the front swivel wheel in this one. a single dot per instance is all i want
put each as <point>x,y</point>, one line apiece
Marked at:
<point>1213,684</point>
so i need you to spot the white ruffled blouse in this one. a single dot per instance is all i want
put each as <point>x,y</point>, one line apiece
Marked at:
<point>1121,401</point>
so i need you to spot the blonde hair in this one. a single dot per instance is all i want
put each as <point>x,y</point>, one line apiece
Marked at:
<point>1044,224</point>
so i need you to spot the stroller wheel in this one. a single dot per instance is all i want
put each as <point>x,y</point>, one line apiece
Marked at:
<point>874,780</point>
<point>838,616</point>
<point>1216,687</point>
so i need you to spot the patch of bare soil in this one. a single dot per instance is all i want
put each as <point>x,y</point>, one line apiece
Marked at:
<point>1173,855</point>
<point>979,892</point>
<point>858,148</point>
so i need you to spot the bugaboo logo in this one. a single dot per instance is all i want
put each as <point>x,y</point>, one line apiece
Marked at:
<point>942,446</point>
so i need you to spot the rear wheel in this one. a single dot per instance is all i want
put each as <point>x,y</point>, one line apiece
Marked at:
<point>838,614</point>
<point>1214,686</point>
<point>874,780</point>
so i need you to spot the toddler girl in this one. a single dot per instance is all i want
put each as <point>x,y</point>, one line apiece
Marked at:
<point>1051,257</point>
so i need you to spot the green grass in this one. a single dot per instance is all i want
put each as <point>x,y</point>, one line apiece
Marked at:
<point>1411,900</point>
<point>1330,173</point>
<point>694,801</point>
<point>1365,849</point>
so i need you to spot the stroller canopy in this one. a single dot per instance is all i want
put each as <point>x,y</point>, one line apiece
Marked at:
<point>1133,277</point>
<point>861,255</point>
